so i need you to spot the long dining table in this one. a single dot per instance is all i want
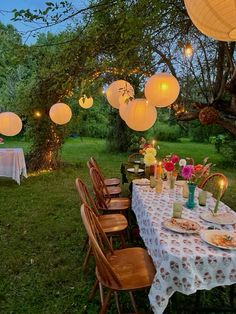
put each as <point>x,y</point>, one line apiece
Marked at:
<point>184,262</point>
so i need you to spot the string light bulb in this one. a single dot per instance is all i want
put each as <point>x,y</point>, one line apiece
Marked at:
<point>188,50</point>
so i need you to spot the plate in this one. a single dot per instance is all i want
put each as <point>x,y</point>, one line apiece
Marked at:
<point>220,218</point>
<point>180,182</point>
<point>181,225</point>
<point>137,162</point>
<point>132,170</point>
<point>141,181</point>
<point>215,238</point>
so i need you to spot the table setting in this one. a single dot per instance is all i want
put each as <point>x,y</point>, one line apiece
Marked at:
<point>190,234</point>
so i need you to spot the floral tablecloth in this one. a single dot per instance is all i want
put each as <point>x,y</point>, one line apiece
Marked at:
<point>184,263</point>
<point>12,163</point>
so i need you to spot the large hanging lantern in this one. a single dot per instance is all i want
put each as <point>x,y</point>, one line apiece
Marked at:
<point>214,18</point>
<point>161,89</point>
<point>140,115</point>
<point>60,113</point>
<point>122,110</point>
<point>10,124</point>
<point>116,89</point>
<point>86,102</point>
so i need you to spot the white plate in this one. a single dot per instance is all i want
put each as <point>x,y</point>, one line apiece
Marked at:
<point>168,224</point>
<point>210,236</point>
<point>180,182</point>
<point>137,162</point>
<point>141,181</point>
<point>132,170</point>
<point>220,218</point>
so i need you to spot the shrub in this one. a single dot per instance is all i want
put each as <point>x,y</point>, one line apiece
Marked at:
<point>165,132</point>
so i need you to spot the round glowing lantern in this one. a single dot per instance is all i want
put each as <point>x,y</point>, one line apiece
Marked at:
<point>86,102</point>
<point>116,89</point>
<point>140,115</point>
<point>60,113</point>
<point>10,124</point>
<point>122,110</point>
<point>214,18</point>
<point>161,89</point>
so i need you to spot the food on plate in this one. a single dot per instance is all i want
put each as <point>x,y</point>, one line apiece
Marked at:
<point>184,224</point>
<point>224,240</point>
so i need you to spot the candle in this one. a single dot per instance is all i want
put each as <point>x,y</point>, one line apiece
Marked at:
<point>153,143</point>
<point>155,168</point>
<point>159,169</point>
<point>219,196</point>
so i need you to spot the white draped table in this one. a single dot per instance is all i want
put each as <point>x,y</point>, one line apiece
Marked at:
<point>12,163</point>
<point>184,263</point>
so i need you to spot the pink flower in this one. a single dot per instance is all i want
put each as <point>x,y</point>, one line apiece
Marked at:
<point>174,159</point>
<point>187,172</point>
<point>169,166</point>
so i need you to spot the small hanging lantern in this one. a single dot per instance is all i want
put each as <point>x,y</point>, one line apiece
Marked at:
<point>10,124</point>
<point>140,115</point>
<point>188,50</point>
<point>161,89</point>
<point>86,102</point>
<point>60,113</point>
<point>116,89</point>
<point>214,18</point>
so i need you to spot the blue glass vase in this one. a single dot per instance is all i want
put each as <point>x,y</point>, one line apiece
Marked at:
<point>190,202</point>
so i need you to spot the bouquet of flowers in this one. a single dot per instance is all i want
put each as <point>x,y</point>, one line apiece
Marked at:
<point>171,164</point>
<point>149,156</point>
<point>194,174</point>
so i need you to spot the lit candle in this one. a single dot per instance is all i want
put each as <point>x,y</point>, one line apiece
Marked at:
<point>219,196</point>
<point>159,169</point>
<point>155,168</point>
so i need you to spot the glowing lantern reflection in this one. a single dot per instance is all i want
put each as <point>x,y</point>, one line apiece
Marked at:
<point>60,113</point>
<point>10,124</point>
<point>140,115</point>
<point>161,89</point>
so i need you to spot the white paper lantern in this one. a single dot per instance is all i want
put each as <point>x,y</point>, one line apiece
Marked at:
<point>60,113</point>
<point>10,124</point>
<point>122,110</point>
<point>116,89</point>
<point>161,89</point>
<point>140,115</point>
<point>86,102</point>
<point>214,18</point>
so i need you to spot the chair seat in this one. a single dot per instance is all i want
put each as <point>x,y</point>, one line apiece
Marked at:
<point>114,190</point>
<point>133,267</point>
<point>113,222</point>
<point>112,181</point>
<point>119,203</point>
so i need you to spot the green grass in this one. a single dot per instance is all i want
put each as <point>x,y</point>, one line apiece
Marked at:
<point>41,234</point>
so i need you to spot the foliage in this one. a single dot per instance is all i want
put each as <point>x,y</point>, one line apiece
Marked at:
<point>203,133</point>
<point>165,132</point>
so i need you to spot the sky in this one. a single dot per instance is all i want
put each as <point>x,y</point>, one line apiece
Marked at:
<point>6,6</point>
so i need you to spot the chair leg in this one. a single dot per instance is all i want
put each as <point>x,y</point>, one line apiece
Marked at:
<point>87,258</point>
<point>133,302</point>
<point>92,292</point>
<point>122,239</point>
<point>106,302</point>
<point>85,243</point>
<point>101,293</point>
<point>117,303</point>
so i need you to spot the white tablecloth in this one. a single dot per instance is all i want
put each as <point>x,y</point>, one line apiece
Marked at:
<point>12,163</point>
<point>184,263</point>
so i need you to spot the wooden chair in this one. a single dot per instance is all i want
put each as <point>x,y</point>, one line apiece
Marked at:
<point>128,269</point>
<point>104,201</point>
<point>107,181</point>
<point>114,191</point>
<point>135,157</point>
<point>212,183</point>
<point>112,224</point>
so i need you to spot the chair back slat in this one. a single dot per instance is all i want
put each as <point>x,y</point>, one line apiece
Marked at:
<point>95,165</point>
<point>100,189</point>
<point>85,197</point>
<point>212,183</point>
<point>100,246</point>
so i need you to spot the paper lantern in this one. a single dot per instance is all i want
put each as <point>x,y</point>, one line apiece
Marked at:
<point>161,89</point>
<point>122,110</point>
<point>10,123</point>
<point>116,89</point>
<point>86,102</point>
<point>214,18</point>
<point>60,113</point>
<point>140,115</point>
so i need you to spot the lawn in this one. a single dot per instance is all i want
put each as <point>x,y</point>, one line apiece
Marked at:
<point>42,235</point>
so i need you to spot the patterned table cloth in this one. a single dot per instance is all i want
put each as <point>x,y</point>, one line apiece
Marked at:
<point>12,163</point>
<point>184,263</point>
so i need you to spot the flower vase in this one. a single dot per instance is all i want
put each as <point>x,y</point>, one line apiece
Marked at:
<point>171,179</point>
<point>190,202</point>
<point>149,171</point>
